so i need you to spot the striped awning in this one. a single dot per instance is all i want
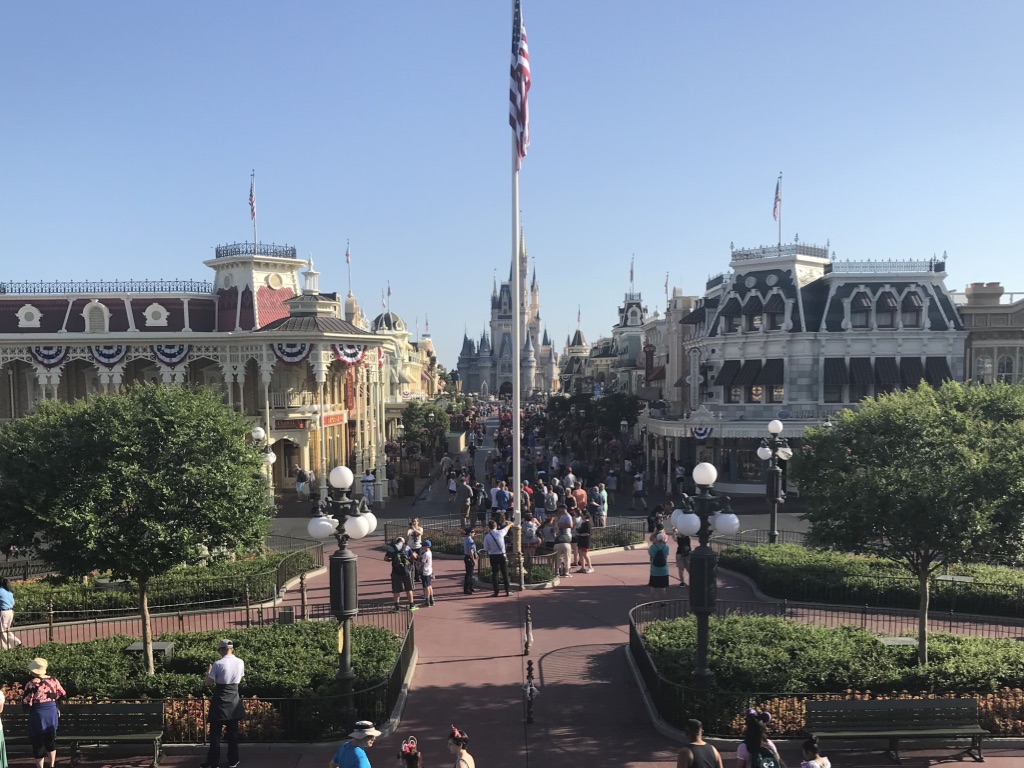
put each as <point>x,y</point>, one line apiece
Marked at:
<point>753,305</point>
<point>732,307</point>
<point>912,300</point>
<point>773,373</point>
<point>936,370</point>
<point>860,371</point>
<point>887,301</point>
<point>860,301</point>
<point>836,373</point>
<point>748,374</point>
<point>911,371</point>
<point>775,303</point>
<point>887,373</point>
<point>727,373</point>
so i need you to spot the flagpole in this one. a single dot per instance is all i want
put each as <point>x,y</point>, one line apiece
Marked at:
<point>348,263</point>
<point>780,212</point>
<point>517,382</point>
<point>252,207</point>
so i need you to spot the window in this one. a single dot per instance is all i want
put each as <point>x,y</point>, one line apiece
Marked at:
<point>858,392</point>
<point>983,369</point>
<point>754,322</point>
<point>734,394</point>
<point>96,316</point>
<point>910,314</point>
<point>776,393</point>
<point>156,316</point>
<point>28,317</point>
<point>833,393</point>
<point>755,394</point>
<point>860,311</point>
<point>774,321</point>
<point>732,324</point>
<point>1004,369</point>
<point>885,310</point>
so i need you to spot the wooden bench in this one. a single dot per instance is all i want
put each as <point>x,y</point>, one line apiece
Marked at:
<point>896,719</point>
<point>90,724</point>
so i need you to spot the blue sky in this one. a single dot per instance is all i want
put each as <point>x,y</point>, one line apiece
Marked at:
<point>658,128</point>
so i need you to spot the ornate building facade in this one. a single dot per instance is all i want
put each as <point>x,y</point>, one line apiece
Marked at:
<point>300,363</point>
<point>485,365</point>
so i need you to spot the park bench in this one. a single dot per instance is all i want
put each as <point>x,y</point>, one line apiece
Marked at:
<point>897,719</point>
<point>92,724</point>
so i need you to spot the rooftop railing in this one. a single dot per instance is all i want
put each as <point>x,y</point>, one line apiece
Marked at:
<point>106,286</point>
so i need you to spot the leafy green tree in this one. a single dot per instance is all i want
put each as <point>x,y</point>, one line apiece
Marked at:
<point>423,422</point>
<point>923,477</point>
<point>134,483</point>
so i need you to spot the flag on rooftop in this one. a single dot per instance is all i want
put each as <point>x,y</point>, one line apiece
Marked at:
<point>252,197</point>
<point>519,88</point>
<point>778,199</point>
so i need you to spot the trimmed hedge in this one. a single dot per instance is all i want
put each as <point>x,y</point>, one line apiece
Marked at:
<point>282,661</point>
<point>792,572</point>
<point>785,660</point>
<point>222,581</point>
<point>764,653</point>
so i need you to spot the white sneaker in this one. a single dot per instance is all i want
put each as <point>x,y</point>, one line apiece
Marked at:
<point>589,570</point>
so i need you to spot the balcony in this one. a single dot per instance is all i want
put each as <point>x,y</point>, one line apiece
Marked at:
<point>292,399</point>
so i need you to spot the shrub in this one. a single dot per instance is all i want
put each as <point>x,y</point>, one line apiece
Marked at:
<point>792,572</point>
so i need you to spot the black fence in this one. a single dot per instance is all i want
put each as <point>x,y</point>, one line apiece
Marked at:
<point>307,719</point>
<point>722,711</point>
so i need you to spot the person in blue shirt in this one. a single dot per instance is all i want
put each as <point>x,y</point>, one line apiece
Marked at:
<point>352,754</point>
<point>7,638</point>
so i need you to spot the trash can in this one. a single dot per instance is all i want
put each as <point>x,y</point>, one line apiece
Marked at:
<point>286,614</point>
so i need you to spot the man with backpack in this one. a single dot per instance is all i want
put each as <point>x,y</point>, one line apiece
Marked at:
<point>401,578</point>
<point>658,553</point>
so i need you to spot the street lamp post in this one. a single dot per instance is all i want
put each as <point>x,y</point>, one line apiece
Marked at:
<point>705,518</point>
<point>259,436</point>
<point>343,518</point>
<point>773,448</point>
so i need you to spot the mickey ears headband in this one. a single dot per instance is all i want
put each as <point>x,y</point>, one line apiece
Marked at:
<point>764,716</point>
<point>409,746</point>
<point>457,734</point>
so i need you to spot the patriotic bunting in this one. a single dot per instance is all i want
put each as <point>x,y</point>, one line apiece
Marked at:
<point>292,353</point>
<point>349,354</point>
<point>171,354</point>
<point>49,357</point>
<point>109,354</point>
<point>701,433</point>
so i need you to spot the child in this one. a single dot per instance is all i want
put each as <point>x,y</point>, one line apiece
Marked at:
<point>427,572</point>
<point>410,755</point>
<point>812,756</point>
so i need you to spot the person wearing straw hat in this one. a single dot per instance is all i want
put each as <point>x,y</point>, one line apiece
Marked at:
<point>352,754</point>
<point>40,698</point>
<point>226,707</point>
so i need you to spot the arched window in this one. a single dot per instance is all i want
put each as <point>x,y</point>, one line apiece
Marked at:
<point>1004,369</point>
<point>983,369</point>
<point>96,317</point>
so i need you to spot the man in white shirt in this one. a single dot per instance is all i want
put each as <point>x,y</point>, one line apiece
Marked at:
<point>494,546</point>
<point>369,481</point>
<point>226,707</point>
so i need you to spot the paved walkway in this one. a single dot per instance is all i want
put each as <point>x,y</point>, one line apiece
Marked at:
<point>471,672</point>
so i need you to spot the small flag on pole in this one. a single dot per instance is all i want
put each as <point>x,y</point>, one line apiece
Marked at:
<point>383,304</point>
<point>348,254</point>
<point>389,289</point>
<point>577,315</point>
<point>777,210</point>
<point>666,283</point>
<point>252,197</point>
<point>519,88</point>
<point>631,270</point>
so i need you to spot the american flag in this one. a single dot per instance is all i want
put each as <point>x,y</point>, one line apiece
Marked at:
<point>519,88</point>
<point>631,271</point>
<point>778,199</point>
<point>252,197</point>
<point>348,255</point>
<point>389,289</point>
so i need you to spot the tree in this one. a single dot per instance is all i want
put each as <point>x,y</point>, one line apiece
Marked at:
<point>924,477</point>
<point>134,483</point>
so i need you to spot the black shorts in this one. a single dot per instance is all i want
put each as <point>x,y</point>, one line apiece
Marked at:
<point>43,743</point>
<point>401,582</point>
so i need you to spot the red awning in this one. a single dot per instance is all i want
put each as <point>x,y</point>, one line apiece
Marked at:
<point>658,374</point>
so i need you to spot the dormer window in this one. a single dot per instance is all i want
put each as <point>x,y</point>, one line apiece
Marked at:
<point>29,317</point>
<point>860,311</point>
<point>97,317</point>
<point>753,311</point>
<point>885,310</point>
<point>156,316</point>
<point>911,309</point>
<point>774,312</point>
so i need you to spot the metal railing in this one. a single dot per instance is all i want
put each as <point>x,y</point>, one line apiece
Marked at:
<point>255,249</point>
<point>721,711</point>
<point>292,399</point>
<point>106,286</point>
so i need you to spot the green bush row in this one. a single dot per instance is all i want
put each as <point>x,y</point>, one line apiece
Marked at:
<point>189,585</point>
<point>793,572</point>
<point>281,661</point>
<point>772,655</point>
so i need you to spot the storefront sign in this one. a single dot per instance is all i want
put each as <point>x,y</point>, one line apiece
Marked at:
<point>335,418</point>
<point>290,424</point>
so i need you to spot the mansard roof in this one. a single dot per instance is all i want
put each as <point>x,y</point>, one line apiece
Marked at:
<point>313,324</point>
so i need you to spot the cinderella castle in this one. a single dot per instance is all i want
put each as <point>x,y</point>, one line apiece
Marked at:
<point>485,366</point>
